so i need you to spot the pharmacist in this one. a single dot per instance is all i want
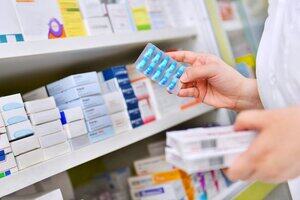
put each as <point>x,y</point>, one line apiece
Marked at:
<point>270,104</point>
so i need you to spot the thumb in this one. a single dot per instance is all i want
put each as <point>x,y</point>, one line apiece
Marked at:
<point>251,120</point>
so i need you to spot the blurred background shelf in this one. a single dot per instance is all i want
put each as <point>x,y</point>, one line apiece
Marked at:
<point>52,167</point>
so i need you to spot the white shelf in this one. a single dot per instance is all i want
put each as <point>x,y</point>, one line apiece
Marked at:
<point>42,62</point>
<point>36,56</point>
<point>52,167</point>
<point>232,191</point>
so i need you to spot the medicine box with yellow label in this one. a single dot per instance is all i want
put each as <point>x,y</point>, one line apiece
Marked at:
<point>72,18</point>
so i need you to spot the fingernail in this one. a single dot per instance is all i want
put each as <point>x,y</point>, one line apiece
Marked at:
<point>184,78</point>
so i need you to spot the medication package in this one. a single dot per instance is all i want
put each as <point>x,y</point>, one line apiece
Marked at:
<point>161,68</point>
<point>203,149</point>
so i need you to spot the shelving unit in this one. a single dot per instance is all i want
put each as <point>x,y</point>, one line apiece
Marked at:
<point>52,167</point>
<point>232,191</point>
<point>42,62</point>
<point>70,48</point>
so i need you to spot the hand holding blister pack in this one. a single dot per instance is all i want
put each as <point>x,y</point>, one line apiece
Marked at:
<point>161,68</point>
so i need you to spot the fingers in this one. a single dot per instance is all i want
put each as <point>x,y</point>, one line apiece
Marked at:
<point>184,56</point>
<point>198,73</point>
<point>189,92</point>
<point>251,120</point>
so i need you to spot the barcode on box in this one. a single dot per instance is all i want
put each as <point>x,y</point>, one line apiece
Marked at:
<point>218,161</point>
<point>207,144</point>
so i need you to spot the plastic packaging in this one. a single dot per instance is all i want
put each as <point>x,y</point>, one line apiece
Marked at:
<point>161,68</point>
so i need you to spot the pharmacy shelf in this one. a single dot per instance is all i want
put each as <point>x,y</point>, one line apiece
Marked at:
<point>38,55</point>
<point>232,191</point>
<point>52,167</point>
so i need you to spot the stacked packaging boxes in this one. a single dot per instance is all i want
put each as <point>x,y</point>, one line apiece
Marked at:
<point>24,144</point>
<point>204,149</point>
<point>45,117</point>
<point>118,77</point>
<point>7,161</point>
<point>75,127</point>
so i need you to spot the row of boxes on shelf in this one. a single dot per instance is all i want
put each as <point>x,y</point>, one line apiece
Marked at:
<point>154,179</point>
<point>82,109</point>
<point>48,19</point>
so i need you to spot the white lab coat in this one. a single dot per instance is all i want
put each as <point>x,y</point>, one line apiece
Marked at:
<point>278,61</point>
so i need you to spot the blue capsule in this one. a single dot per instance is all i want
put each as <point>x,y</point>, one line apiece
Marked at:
<point>156,76</point>
<point>171,69</point>
<point>163,64</point>
<point>180,71</point>
<point>173,84</point>
<point>149,53</point>
<point>141,64</point>
<point>149,69</point>
<point>156,58</point>
<point>165,79</point>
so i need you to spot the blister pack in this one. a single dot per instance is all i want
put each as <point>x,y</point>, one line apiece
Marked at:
<point>161,68</point>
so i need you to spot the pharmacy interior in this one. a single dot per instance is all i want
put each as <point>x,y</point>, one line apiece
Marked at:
<point>89,105</point>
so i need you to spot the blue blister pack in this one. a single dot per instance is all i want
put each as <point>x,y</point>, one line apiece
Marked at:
<point>161,68</point>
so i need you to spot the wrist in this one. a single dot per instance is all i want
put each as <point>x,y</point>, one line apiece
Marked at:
<point>248,96</point>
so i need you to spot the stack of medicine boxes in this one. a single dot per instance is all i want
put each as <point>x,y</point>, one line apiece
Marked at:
<point>118,76</point>
<point>74,126</point>
<point>83,90</point>
<point>45,117</point>
<point>24,144</point>
<point>7,160</point>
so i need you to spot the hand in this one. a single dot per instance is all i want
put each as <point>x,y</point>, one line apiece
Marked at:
<point>216,83</point>
<point>274,156</point>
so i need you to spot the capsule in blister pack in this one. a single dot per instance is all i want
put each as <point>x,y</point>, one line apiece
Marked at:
<point>161,68</point>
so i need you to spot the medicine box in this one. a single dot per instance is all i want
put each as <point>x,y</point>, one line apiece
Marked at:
<point>2,125</point>
<point>11,102</point>
<point>75,129</point>
<point>115,102</point>
<point>19,130</point>
<point>109,86</point>
<point>84,102</point>
<point>101,134</point>
<point>29,159</point>
<point>14,116</point>
<point>161,68</point>
<point>202,162</point>
<point>52,139</point>
<point>48,128</point>
<point>71,115</point>
<point>56,150</point>
<point>24,145</point>
<point>7,162</point>
<point>144,181</point>
<point>156,148</point>
<point>10,27</point>
<point>44,116</point>
<point>6,150</point>
<point>71,82</point>
<point>201,140</point>
<point>151,165</point>
<point>40,105</point>
<point>79,142</point>
<point>121,122</point>
<point>120,17</point>
<point>77,92</point>
<point>4,143</point>
<point>172,190</point>
<point>94,112</point>
<point>99,123</point>
<point>8,172</point>
<point>135,123</point>
<point>39,93</point>
<point>132,103</point>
